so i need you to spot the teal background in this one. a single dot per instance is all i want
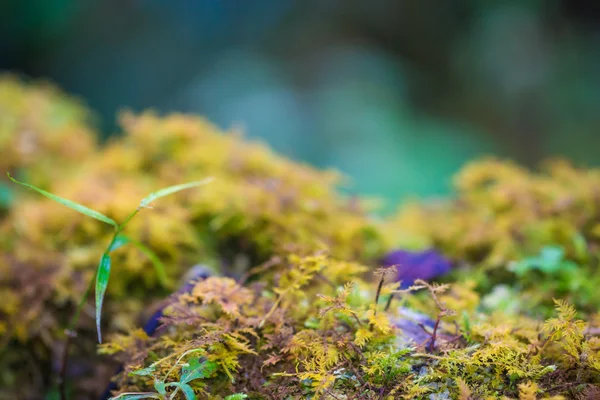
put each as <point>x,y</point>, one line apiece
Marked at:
<point>398,94</point>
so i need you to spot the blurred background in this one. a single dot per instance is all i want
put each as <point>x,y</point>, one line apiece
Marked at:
<point>398,94</point>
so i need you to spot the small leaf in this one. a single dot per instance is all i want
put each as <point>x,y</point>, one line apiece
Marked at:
<point>197,370</point>
<point>172,189</point>
<point>186,389</point>
<point>551,260</point>
<point>160,386</point>
<point>120,241</point>
<point>68,203</point>
<point>101,284</point>
<point>551,256</point>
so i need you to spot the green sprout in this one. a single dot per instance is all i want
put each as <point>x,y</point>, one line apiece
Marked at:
<point>118,240</point>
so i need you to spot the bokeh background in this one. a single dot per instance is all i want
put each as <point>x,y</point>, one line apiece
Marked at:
<point>398,94</point>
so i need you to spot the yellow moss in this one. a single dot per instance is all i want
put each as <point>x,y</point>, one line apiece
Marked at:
<point>297,318</point>
<point>43,132</point>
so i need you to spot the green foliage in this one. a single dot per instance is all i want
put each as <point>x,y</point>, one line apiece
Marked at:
<point>550,261</point>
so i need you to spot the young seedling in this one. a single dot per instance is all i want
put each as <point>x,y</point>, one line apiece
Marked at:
<point>191,370</point>
<point>118,240</point>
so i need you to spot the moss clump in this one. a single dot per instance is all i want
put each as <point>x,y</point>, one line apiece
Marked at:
<point>535,234</point>
<point>43,132</point>
<point>260,204</point>
<point>292,335</point>
<point>296,307</point>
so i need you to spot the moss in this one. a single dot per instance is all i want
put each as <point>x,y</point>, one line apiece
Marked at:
<point>508,224</point>
<point>296,307</point>
<point>260,205</point>
<point>43,132</point>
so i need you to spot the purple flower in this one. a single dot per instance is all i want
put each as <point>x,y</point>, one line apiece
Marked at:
<point>426,265</point>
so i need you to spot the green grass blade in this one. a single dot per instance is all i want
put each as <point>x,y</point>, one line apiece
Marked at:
<point>101,284</point>
<point>172,189</point>
<point>68,203</point>
<point>158,265</point>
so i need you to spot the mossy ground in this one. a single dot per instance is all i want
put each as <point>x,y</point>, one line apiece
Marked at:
<point>297,306</point>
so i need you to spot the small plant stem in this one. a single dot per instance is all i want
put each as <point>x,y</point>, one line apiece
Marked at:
<point>75,318</point>
<point>356,374</point>
<point>271,311</point>
<point>325,279</point>
<point>389,302</point>
<point>62,383</point>
<point>377,294</point>
<point>121,226</point>
<point>357,319</point>
<point>434,334</point>
<point>69,334</point>
<point>328,391</point>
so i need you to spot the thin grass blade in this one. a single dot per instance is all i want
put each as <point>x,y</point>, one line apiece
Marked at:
<point>68,203</point>
<point>158,265</point>
<point>172,189</point>
<point>161,273</point>
<point>101,284</point>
